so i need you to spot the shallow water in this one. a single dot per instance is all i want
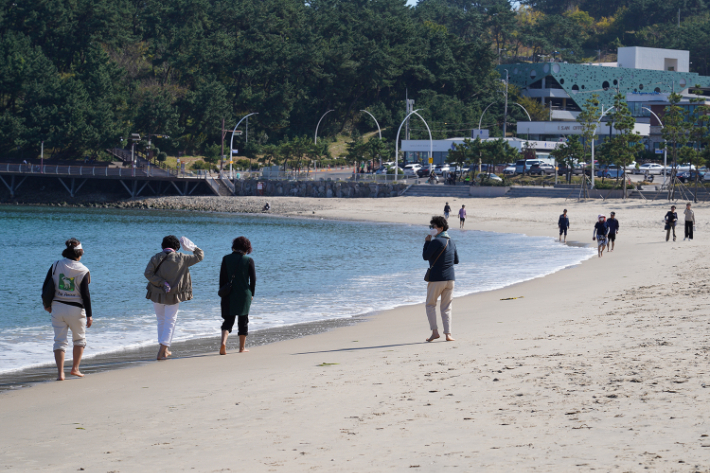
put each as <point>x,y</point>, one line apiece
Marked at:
<point>307,270</point>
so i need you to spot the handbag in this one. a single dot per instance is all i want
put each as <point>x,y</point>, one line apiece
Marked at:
<point>48,289</point>
<point>426,276</point>
<point>225,290</point>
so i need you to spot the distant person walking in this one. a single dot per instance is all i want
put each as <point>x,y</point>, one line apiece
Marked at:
<point>169,284</point>
<point>600,232</point>
<point>613,225</point>
<point>440,251</point>
<point>689,222</point>
<point>447,211</point>
<point>237,282</point>
<point>65,295</point>
<point>563,224</point>
<point>462,216</point>
<point>671,218</point>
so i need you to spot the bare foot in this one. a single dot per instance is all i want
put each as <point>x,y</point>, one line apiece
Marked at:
<point>449,338</point>
<point>243,350</point>
<point>432,338</point>
<point>161,358</point>
<point>168,353</point>
<point>76,373</point>
<point>60,377</point>
<point>223,349</point>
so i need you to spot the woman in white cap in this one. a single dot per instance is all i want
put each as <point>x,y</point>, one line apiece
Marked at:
<point>65,295</point>
<point>600,232</point>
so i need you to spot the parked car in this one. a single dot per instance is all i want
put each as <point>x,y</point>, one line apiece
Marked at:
<point>411,169</point>
<point>541,169</point>
<point>612,173</point>
<point>685,167</point>
<point>484,176</point>
<point>440,170</point>
<point>524,165</point>
<point>382,170</point>
<point>509,170</point>
<point>426,170</point>
<point>689,176</point>
<point>650,168</point>
<point>577,169</point>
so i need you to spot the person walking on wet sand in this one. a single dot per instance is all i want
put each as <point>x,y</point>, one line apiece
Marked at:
<point>237,283</point>
<point>462,216</point>
<point>671,218</point>
<point>689,222</point>
<point>600,232</point>
<point>440,251</point>
<point>613,225</point>
<point>169,284</point>
<point>563,224</point>
<point>65,295</point>
<point>447,211</point>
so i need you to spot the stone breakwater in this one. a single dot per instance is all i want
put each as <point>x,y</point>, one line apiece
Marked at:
<point>280,206</point>
<point>325,189</point>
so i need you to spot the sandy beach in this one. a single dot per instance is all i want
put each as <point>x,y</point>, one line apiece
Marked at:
<point>604,366</point>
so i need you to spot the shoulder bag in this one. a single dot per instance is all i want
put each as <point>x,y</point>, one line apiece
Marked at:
<point>225,290</point>
<point>426,276</point>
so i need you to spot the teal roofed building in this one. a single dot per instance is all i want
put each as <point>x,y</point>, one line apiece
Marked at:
<point>563,88</point>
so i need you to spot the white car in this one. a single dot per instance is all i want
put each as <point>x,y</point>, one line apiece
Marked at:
<point>440,170</point>
<point>685,167</point>
<point>631,167</point>
<point>411,169</point>
<point>484,176</point>
<point>651,168</point>
<point>509,170</point>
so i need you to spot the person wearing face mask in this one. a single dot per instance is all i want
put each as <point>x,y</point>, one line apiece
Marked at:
<point>440,252</point>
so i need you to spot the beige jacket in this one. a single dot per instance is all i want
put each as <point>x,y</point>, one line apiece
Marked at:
<point>175,270</point>
<point>689,215</point>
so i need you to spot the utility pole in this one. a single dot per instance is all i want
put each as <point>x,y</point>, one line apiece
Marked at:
<point>505,109</point>
<point>409,108</point>
<point>246,137</point>
<point>221,160</point>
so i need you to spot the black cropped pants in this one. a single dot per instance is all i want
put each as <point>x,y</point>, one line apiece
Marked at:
<point>242,324</point>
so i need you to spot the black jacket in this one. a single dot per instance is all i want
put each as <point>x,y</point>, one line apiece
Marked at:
<point>443,269</point>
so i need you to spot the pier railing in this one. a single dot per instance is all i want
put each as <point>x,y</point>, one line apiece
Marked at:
<point>99,171</point>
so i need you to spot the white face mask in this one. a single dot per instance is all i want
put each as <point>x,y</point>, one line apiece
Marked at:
<point>433,232</point>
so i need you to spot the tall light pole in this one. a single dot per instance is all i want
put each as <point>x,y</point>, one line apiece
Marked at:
<point>505,110</point>
<point>231,143</point>
<point>315,137</point>
<point>604,112</point>
<point>396,150</point>
<point>481,119</point>
<point>379,132</point>
<point>665,145</point>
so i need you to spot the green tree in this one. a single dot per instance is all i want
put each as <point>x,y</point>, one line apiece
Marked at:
<point>676,132</point>
<point>569,154</point>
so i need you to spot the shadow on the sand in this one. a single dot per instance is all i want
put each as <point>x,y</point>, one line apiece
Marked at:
<point>359,348</point>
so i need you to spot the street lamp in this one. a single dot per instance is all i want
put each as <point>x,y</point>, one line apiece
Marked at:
<point>396,142</point>
<point>604,112</point>
<point>665,145</point>
<point>134,137</point>
<point>231,143</point>
<point>379,132</point>
<point>505,110</point>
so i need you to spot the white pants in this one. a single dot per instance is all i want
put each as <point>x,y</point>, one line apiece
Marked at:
<point>167,316</point>
<point>68,317</point>
<point>445,289</point>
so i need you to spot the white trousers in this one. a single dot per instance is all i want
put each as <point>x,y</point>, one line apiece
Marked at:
<point>445,290</point>
<point>64,318</point>
<point>167,317</point>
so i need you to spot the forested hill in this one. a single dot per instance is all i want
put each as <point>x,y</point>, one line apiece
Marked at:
<point>79,74</point>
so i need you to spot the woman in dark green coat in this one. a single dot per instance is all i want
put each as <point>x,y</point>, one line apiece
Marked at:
<point>239,269</point>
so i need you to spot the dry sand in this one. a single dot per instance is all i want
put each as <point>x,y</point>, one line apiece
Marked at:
<point>602,367</point>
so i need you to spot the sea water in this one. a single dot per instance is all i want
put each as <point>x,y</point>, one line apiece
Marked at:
<point>307,270</point>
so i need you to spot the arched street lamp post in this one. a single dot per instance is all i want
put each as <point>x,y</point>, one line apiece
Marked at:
<point>379,132</point>
<point>604,112</point>
<point>231,143</point>
<point>665,146</point>
<point>396,152</point>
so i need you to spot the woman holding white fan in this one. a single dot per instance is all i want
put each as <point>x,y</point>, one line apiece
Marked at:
<point>169,284</point>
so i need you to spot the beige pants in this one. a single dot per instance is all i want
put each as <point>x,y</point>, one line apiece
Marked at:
<point>65,318</point>
<point>445,289</point>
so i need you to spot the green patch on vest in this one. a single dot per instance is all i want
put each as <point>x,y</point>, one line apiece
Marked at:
<point>65,283</point>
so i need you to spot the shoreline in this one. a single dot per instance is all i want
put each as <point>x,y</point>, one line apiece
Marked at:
<point>122,358</point>
<point>600,367</point>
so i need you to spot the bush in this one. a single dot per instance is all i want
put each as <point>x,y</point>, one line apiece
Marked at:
<point>162,156</point>
<point>200,165</point>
